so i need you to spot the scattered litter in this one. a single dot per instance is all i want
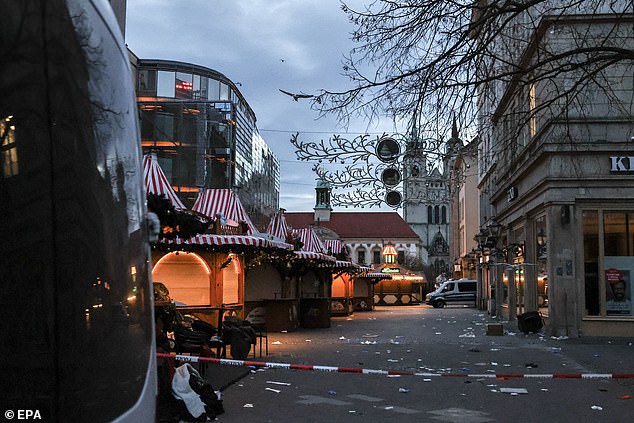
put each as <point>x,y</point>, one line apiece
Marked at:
<point>624,397</point>
<point>391,360</point>
<point>403,390</point>
<point>531,365</point>
<point>494,349</point>
<point>438,333</point>
<point>394,342</point>
<point>278,383</point>
<point>595,355</point>
<point>248,406</point>
<point>276,343</point>
<point>507,365</point>
<point>393,375</point>
<point>352,411</point>
<point>544,390</point>
<point>284,331</point>
<point>493,363</point>
<point>389,407</point>
<point>342,337</point>
<point>389,351</point>
<point>510,333</point>
<point>426,380</point>
<point>556,349</point>
<point>368,335</point>
<point>332,392</point>
<point>368,342</point>
<point>277,391</point>
<point>467,335</point>
<point>515,391</point>
<point>309,340</point>
<point>596,407</point>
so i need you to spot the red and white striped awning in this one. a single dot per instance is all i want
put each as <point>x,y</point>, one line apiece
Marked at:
<point>335,246</point>
<point>278,227</point>
<point>312,247</point>
<point>156,182</point>
<point>254,241</point>
<point>212,202</point>
<point>311,241</point>
<point>311,255</point>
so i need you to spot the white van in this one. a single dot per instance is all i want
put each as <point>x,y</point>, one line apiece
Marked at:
<point>458,291</point>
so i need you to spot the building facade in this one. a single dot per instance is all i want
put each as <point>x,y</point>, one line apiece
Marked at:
<point>557,202</point>
<point>204,134</point>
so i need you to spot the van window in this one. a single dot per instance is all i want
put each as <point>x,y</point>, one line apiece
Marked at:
<point>467,286</point>
<point>448,287</point>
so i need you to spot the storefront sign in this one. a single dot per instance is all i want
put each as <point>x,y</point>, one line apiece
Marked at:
<point>390,270</point>
<point>622,163</point>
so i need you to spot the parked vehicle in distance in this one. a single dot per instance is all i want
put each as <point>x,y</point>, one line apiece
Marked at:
<point>459,291</point>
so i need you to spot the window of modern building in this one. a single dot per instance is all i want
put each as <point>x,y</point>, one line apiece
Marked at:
<point>166,86</point>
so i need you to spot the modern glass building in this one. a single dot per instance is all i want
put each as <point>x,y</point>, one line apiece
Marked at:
<point>204,134</point>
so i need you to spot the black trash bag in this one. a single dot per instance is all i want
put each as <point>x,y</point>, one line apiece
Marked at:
<point>213,404</point>
<point>531,321</point>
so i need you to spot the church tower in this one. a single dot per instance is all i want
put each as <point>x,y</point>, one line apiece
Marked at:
<point>426,202</point>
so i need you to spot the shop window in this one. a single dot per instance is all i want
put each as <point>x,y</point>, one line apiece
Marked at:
<point>618,228</point>
<point>541,241</point>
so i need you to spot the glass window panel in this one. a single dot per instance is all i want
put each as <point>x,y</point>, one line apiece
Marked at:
<point>224,91</point>
<point>618,263</point>
<point>183,85</point>
<point>590,262</point>
<point>196,87</point>
<point>213,89</point>
<point>165,85</point>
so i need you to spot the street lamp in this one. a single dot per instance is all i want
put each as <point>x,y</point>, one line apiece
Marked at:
<point>495,231</point>
<point>481,239</point>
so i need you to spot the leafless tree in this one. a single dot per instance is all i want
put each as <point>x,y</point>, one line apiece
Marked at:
<point>434,58</point>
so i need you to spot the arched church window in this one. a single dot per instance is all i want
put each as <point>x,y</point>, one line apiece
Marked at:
<point>429,214</point>
<point>436,214</point>
<point>444,214</point>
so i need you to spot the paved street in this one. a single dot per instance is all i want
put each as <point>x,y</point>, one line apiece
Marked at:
<point>420,339</point>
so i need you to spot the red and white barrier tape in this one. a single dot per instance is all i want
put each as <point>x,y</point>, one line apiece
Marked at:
<point>260,364</point>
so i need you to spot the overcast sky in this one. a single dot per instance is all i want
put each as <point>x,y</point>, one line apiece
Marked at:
<point>263,46</point>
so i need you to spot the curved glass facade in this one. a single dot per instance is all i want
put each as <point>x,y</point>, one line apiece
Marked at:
<point>205,136</point>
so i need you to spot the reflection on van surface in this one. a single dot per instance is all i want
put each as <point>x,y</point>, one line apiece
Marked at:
<point>458,291</point>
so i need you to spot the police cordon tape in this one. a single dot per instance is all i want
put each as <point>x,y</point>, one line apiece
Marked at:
<point>260,364</point>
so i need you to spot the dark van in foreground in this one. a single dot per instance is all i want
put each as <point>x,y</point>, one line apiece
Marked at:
<point>77,319</point>
<point>460,291</point>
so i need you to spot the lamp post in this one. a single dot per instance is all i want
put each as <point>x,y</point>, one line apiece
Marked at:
<point>480,239</point>
<point>494,230</point>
